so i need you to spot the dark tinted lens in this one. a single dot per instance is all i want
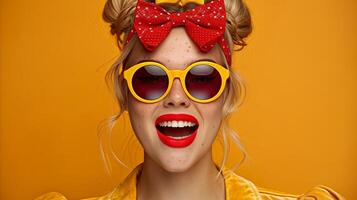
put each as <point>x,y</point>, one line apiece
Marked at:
<point>203,82</point>
<point>150,82</point>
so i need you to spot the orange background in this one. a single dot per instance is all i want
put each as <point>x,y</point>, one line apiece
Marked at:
<point>298,123</point>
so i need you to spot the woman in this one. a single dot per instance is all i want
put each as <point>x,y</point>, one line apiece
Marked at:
<point>178,87</point>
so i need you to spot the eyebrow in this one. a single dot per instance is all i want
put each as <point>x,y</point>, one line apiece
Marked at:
<point>203,59</point>
<point>153,60</point>
<point>148,60</point>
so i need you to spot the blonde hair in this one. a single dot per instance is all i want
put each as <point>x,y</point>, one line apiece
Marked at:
<point>119,14</point>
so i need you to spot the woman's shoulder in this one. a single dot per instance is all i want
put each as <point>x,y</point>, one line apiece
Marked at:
<point>51,196</point>
<point>59,196</point>
<point>319,192</point>
<point>125,191</point>
<point>238,187</point>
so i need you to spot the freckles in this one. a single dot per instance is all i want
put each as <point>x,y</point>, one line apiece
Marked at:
<point>188,48</point>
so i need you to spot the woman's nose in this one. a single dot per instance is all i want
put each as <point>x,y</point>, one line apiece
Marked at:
<point>177,96</point>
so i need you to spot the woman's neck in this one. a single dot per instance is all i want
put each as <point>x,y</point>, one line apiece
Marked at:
<point>198,182</point>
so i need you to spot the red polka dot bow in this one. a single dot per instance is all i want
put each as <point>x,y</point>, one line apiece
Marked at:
<point>205,25</point>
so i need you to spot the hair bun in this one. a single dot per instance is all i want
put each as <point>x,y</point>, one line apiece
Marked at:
<point>239,22</point>
<point>119,14</point>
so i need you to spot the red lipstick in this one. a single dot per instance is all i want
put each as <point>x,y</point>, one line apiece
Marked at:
<point>177,121</point>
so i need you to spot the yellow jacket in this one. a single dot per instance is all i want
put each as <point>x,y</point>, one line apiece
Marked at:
<point>237,188</point>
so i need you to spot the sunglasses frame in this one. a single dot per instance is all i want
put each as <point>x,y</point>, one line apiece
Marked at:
<point>172,74</point>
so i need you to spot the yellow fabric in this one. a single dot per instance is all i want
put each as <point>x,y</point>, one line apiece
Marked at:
<point>237,188</point>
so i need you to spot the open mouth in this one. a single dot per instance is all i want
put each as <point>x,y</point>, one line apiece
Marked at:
<point>177,130</point>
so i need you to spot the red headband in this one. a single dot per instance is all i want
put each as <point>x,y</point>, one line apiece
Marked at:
<point>205,25</point>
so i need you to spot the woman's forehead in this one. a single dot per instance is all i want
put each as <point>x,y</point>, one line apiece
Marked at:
<point>176,51</point>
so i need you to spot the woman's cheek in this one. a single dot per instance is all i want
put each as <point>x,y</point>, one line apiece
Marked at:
<point>140,120</point>
<point>211,114</point>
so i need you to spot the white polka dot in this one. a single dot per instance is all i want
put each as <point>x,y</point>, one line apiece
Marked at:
<point>215,17</point>
<point>155,16</point>
<point>198,20</point>
<point>160,13</point>
<point>146,8</point>
<point>178,14</point>
<point>220,27</point>
<point>138,7</point>
<point>220,8</point>
<point>183,21</point>
<point>209,24</point>
<point>139,23</point>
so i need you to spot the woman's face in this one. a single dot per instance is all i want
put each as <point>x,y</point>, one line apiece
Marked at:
<point>177,51</point>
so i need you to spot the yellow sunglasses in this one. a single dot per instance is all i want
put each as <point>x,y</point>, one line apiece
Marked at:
<point>202,81</point>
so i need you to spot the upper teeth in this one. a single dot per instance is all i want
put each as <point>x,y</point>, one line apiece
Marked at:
<point>177,124</point>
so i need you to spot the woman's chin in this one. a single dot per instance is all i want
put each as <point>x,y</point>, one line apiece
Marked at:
<point>176,162</point>
<point>176,167</point>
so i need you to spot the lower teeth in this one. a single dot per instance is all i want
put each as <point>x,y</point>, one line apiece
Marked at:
<point>179,137</point>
